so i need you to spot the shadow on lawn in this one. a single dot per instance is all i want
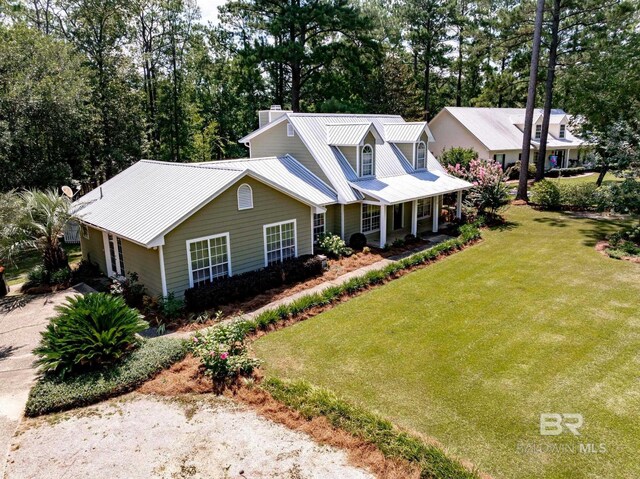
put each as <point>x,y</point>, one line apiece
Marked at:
<point>506,226</point>
<point>557,222</point>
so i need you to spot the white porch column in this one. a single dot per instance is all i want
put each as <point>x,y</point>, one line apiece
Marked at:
<point>568,155</point>
<point>459,205</point>
<point>436,213</point>
<point>383,225</point>
<point>414,217</point>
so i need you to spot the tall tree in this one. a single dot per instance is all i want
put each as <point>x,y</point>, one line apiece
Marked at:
<point>531,98</point>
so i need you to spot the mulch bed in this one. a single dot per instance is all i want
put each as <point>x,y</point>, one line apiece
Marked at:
<point>602,246</point>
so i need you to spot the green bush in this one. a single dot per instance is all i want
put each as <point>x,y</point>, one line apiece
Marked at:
<point>458,156</point>
<point>582,196</point>
<point>61,276</point>
<point>314,402</point>
<point>88,332</point>
<point>513,172</point>
<point>333,245</point>
<point>546,194</point>
<point>358,241</point>
<point>223,350</point>
<point>37,276</point>
<point>53,393</point>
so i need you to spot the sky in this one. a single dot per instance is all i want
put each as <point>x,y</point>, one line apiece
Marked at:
<point>209,10</point>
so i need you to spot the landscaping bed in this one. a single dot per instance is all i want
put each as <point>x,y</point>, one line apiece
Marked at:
<point>52,393</point>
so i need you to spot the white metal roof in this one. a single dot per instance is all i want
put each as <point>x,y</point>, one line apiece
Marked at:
<point>498,130</point>
<point>409,132</point>
<point>350,134</point>
<point>396,189</point>
<point>150,198</point>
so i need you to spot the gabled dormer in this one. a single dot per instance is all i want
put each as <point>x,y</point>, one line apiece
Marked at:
<point>412,139</point>
<point>357,141</point>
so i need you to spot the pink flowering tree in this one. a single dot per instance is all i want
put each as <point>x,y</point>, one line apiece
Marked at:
<point>489,193</point>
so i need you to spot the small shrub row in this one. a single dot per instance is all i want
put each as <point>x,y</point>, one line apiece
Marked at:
<point>468,233</point>
<point>245,285</point>
<point>53,393</point>
<point>562,172</point>
<point>314,402</point>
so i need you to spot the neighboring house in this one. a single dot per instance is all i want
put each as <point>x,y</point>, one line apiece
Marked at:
<point>179,225</point>
<point>497,133</point>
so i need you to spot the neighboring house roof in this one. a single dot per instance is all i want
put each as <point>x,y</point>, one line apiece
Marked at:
<point>406,132</point>
<point>318,130</point>
<point>500,129</point>
<point>350,134</point>
<point>150,198</point>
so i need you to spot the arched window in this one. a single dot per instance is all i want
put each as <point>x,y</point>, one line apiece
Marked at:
<point>421,156</point>
<point>245,197</point>
<point>367,160</point>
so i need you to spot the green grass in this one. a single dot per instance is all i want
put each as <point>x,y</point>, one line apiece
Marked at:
<point>17,274</point>
<point>51,394</point>
<point>591,178</point>
<point>314,402</point>
<point>472,349</point>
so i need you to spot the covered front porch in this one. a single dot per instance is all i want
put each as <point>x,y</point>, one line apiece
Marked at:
<point>421,217</point>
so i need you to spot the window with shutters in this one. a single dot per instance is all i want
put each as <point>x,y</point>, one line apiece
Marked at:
<point>245,197</point>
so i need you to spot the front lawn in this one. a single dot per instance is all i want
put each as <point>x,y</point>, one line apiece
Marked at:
<point>472,349</point>
<point>17,273</point>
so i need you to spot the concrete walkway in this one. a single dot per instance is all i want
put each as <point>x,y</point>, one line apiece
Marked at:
<point>22,318</point>
<point>434,240</point>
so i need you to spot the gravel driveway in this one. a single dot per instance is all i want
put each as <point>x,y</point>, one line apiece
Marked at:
<point>139,436</point>
<point>20,327</point>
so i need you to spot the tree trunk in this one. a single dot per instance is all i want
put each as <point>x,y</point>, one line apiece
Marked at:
<point>603,172</point>
<point>427,81</point>
<point>176,126</point>
<point>296,77</point>
<point>548,89</point>
<point>531,100</point>
<point>54,258</point>
<point>459,81</point>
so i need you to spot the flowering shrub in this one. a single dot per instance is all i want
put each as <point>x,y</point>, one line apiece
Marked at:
<point>489,192</point>
<point>223,350</point>
<point>334,245</point>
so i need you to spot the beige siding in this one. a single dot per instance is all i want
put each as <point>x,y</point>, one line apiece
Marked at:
<point>275,142</point>
<point>449,132</point>
<point>350,153</point>
<point>352,214</point>
<point>145,262</point>
<point>245,230</point>
<point>407,150</point>
<point>93,248</point>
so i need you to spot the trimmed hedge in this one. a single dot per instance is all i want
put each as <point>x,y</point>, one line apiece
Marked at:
<point>314,402</point>
<point>52,393</point>
<point>563,172</point>
<point>245,285</point>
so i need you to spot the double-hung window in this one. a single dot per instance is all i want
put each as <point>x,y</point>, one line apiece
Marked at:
<point>370,218</point>
<point>208,259</point>
<point>538,131</point>
<point>116,256</point>
<point>367,161</point>
<point>421,156</point>
<point>424,208</point>
<point>319,221</point>
<point>280,242</point>
<point>563,131</point>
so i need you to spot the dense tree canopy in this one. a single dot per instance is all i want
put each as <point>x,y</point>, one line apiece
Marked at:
<point>89,86</point>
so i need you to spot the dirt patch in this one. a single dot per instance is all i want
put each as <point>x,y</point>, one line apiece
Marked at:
<point>147,436</point>
<point>183,377</point>
<point>602,246</point>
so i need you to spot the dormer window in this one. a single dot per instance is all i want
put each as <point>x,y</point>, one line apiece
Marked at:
<point>367,168</point>
<point>421,156</point>
<point>563,131</point>
<point>538,131</point>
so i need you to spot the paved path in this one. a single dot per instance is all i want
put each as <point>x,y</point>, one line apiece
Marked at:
<point>20,329</point>
<point>434,240</point>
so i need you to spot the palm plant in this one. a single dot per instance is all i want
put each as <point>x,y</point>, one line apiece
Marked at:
<point>88,332</point>
<point>38,220</point>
